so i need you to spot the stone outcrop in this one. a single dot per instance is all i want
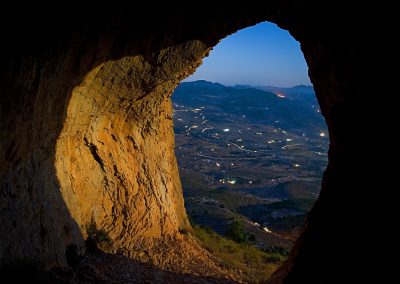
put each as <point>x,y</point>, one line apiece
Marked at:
<point>115,157</point>
<point>112,160</point>
<point>86,130</point>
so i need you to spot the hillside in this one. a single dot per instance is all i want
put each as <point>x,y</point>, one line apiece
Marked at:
<point>248,154</point>
<point>257,106</point>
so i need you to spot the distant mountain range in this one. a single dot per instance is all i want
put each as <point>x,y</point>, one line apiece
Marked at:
<point>297,110</point>
<point>304,93</point>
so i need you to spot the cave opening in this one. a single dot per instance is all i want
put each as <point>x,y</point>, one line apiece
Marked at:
<point>107,77</point>
<point>251,145</point>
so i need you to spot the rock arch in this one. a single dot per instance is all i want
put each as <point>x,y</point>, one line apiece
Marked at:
<point>86,128</point>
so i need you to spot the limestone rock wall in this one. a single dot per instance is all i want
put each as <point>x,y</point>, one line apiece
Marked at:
<point>115,154</point>
<point>99,150</point>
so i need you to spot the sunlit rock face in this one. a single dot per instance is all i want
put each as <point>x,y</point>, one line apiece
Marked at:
<point>111,161</point>
<point>86,130</point>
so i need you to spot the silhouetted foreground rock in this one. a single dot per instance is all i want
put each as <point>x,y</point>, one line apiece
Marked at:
<point>105,268</point>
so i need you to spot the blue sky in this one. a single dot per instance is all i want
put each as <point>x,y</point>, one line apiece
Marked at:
<point>259,55</point>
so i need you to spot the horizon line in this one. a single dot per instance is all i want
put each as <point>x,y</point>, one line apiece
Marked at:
<point>243,84</point>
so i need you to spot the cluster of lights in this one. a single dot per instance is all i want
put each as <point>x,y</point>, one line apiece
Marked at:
<point>230,181</point>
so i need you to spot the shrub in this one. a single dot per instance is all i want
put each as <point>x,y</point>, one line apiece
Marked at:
<point>237,233</point>
<point>95,237</point>
<point>184,231</point>
<point>273,258</point>
<point>277,250</point>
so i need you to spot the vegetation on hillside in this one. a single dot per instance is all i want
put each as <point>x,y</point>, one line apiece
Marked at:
<point>255,264</point>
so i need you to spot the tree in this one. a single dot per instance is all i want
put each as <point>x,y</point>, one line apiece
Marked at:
<point>237,233</point>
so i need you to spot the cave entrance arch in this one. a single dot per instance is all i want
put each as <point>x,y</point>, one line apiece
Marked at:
<point>106,76</point>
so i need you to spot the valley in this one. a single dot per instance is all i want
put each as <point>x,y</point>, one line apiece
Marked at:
<point>250,155</point>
